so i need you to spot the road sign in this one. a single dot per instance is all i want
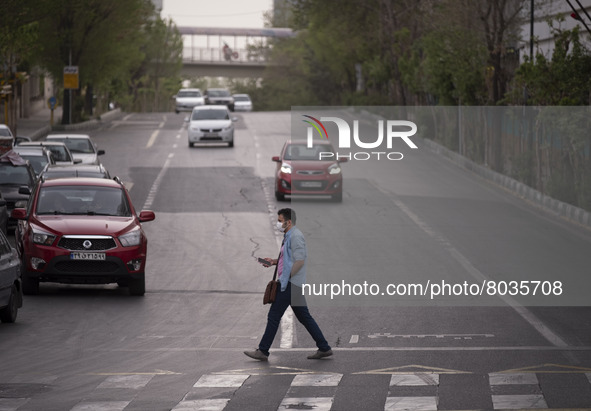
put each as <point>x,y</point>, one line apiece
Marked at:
<point>71,77</point>
<point>51,102</point>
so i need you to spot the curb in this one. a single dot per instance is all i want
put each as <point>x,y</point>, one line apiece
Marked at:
<point>568,211</point>
<point>90,124</point>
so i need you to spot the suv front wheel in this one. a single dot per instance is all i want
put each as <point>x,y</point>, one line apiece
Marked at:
<point>137,286</point>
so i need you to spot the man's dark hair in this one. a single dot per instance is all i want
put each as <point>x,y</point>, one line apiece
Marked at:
<point>288,214</point>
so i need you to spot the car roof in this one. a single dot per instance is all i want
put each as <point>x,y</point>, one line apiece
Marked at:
<point>41,143</point>
<point>79,167</point>
<point>67,136</point>
<point>30,150</point>
<point>190,89</point>
<point>241,95</point>
<point>211,107</point>
<point>82,181</point>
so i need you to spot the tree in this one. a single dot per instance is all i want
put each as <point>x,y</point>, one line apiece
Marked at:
<point>18,42</point>
<point>101,37</point>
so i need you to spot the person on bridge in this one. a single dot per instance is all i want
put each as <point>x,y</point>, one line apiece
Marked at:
<point>291,272</point>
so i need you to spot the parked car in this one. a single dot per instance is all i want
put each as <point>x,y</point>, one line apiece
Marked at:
<point>6,139</point>
<point>82,231</point>
<point>216,96</point>
<point>80,145</point>
<point>5,131</point>
<point>77,170</point>
<point>39,157</point>
<point>61,153</point>
<point>11,290</point>
<point>211,124</point>
<point>242,102</point>
<point>303,171</point>
<point>4,215</point>
<point>14,174</point>
<point>21,139</point>
<point>187,98</point>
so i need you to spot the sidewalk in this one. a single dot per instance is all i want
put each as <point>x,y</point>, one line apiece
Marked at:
<point>37,125</point>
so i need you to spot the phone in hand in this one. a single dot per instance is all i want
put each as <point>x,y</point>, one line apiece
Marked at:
<point>264,262</point>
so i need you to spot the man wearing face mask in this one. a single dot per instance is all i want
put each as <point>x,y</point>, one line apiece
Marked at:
<point>291,272</point>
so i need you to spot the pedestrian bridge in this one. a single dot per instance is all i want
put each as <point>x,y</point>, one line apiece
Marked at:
<point>227,52</point>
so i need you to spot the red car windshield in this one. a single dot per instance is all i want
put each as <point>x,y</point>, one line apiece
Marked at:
<point>303,153</point>
<point>83,200</point>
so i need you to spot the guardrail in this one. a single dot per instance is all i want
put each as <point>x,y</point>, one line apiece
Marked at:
<point>217,55</point>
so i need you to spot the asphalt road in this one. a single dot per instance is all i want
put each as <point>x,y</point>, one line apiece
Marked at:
<point>420,220</point>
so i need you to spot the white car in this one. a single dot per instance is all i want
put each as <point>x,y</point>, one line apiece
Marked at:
<point>211,124</point>
<point>187,98</point>
<point>242,102</point>
<point>80,145</point>
<point>60,152</point>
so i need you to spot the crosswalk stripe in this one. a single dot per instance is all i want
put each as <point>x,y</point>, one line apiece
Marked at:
<point>200,405</point>
<point>411,403</point>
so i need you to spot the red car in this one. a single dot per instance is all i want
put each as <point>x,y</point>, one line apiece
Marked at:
<point>81,231</point>
<point>303,170</point>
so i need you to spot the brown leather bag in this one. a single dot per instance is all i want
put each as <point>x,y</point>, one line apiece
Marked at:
<point>271,291</point>
<point>273,286</point>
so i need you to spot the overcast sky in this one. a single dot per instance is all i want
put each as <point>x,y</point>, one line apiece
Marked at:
<point>216,13</point>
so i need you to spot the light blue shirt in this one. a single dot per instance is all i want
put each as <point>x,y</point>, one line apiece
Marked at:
<point>294,250</point>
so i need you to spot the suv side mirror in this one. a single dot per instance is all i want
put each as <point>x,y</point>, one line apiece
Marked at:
<point>146,215</point>
<point>277,159</point>
<point>19,214</point>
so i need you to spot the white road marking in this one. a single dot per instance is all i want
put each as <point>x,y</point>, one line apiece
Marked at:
<point>126,381</point>
<point>513,379</point>
<point>152,138</point>
<point>411,403</point>
<point>527,315</point>
<point>518,401</point>
<point>202,405</point>
<point>316,404</point>
<point>414,380</point>
<point>316,380</point>
<point>221,381</point>
<point>354,339</point>
<point>101,406</point>
<point>156,184</point>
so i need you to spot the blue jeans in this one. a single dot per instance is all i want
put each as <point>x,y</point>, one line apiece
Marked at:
<point>284,300</point>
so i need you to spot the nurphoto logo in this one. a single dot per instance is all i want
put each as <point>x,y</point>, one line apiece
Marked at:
<point>392,129</point>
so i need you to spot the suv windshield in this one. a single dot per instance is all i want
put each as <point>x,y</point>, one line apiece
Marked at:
<point>188,94</point>
<point>218,93</point>
<point>83,200</point>
<point>210,114</point>
<point>77,145</point>
<point>302,152</point>
<point>14,175</point>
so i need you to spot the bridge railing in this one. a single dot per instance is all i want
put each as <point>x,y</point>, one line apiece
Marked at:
<point>216,55</point>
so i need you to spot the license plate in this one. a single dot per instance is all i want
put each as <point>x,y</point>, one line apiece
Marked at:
<point>311,184</point>
<point>87,256</point>
<point>211,135</point>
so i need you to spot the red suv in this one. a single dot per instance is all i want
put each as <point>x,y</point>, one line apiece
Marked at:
<point>81,231</point>
<point>303,170</point>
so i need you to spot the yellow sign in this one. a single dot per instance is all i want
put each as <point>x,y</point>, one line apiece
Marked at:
<point>71,77</point>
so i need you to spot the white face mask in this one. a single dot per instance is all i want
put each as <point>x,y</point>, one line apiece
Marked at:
<point>279,226</point>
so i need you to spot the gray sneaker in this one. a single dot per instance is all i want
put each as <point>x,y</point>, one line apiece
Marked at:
<point>257,355</point>
<point>320,354</point>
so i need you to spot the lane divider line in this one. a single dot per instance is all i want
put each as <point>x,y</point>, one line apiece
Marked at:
<point>156,184</point>
<point>526,314</point>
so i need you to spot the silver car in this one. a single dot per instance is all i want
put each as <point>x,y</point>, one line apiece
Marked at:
<point>211,124</point>
<point>11,290</point>
<point>80,145</point>
<point>187,98</point>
